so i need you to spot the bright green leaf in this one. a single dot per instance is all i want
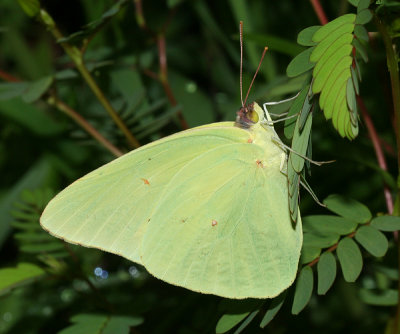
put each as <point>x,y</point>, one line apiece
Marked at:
<point>326,269</point>
<point>350,259</point>
<point>303,291</point>
<point>373,240</point>
<point>333,26</point>
<point>348,208</point>
<point>386,223</point>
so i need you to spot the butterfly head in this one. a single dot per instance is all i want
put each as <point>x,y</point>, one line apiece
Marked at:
<point>248,115</point>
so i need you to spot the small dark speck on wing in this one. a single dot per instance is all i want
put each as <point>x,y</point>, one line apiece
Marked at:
<point>214,222</point>
<point>259,163</point>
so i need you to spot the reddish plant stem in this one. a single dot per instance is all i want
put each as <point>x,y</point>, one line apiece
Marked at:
<point>162,76</point>
<point>60,105</point>
<point>378,150</point>
<point>332,248</point>
<point>319,11</point>
<point>8,77</point>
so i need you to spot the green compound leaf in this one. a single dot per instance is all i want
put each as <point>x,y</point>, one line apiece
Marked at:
<point>326,269</point>
<point>379,298</point>
<point>101,324</point>
<point>305,36</point>
<point>386,223</point>
<point>273,308</point>
<point>303,292</point>
<point>300,143</point>
<point>327,224</point>
<point>332,27</point>
<point>334,60</point>
<point>23,273</point>
<point>300,64</point>
<point>373,240</point>
<point>348,208</point>
<point>350,259</point>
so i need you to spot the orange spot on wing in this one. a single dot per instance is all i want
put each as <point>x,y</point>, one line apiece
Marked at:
<point>214,222</point>
<point>259,163</point>
<point>146,181</point>
<point>249,140</point>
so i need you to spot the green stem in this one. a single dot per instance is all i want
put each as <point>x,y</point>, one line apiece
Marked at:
<point>393,68</point>
<point>76,55</point>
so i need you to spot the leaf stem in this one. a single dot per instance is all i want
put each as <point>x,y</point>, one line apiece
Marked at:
<point>77,57</point>
<point>60,105</point>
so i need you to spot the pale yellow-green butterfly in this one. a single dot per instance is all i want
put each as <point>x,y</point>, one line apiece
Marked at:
<point>205,209</point>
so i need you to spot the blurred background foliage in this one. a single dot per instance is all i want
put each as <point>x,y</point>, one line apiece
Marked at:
<point>43,148</point>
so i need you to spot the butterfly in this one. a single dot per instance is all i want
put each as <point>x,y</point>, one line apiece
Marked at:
<point>205,209</point>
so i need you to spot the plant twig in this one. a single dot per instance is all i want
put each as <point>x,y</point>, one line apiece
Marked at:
<point>378,150</point>
<point>319,11</point>
<point>60,105</point>
<point>162,76</point>
<point>77,57</point>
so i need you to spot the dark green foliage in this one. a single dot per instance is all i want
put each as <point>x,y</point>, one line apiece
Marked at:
<point>48,286</point>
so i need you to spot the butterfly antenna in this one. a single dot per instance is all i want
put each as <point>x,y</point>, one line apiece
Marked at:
<point>255,74</point>
<point>241,61</point>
